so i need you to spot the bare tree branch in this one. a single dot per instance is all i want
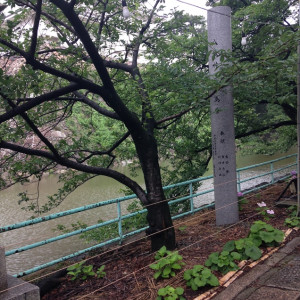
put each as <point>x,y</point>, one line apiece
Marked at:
<point>80,167</point>
<point>36,101</point>
<point>35,28</point>
<point>82,98</point>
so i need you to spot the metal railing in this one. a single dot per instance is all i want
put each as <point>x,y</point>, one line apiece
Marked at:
<point>197,199</point>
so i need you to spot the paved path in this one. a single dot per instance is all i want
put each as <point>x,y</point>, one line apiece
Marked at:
<point>278,278</point>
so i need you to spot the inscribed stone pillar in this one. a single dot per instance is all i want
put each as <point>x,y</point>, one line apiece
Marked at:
<point>222,122</point>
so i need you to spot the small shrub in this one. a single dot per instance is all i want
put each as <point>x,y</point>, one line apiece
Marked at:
<point>100,272</point>
<point>170,293</point>
<point>200,276</point>
<point>292,220</point>
<point>223,262</point>
<point>168,263</point>
<point>79,271</point>
<point>246,247</point>
<point>265,234</point>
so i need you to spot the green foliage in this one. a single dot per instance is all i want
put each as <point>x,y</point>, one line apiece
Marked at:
<point>199,277</point>
<point>82,272</point>
<point>264,234</point>
<point>168,263</point>
<point>292,220</point>
<point>170,293</point>
<point>223,262</point>
<point>182,228</point>
<point>292,210</point>
<point>246,247</point>
<point>100,272</point>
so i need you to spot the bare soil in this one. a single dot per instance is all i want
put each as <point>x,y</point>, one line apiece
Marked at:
<point>128,275</point>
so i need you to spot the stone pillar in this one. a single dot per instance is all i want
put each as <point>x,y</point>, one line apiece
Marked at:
<point>222,122</point>
<point>12,288</point>
<point>3,273</point>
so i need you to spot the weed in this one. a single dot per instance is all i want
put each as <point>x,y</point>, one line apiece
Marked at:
<point>167,263</point>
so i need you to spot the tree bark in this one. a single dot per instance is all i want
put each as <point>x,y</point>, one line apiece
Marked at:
<point>161,230</point>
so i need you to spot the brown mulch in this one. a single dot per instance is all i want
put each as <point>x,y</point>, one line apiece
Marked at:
<point>128,275</point>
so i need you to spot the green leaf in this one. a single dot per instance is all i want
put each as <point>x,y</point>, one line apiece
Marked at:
<point>187,275</point>
<point>267,237</point>
<point>229,246</point>
<point>206,273</point>
<point>162,292</point>
<point>253,252</point>
<point>213,280</point>
<point>157,274</point>
<point>176,266</point>
<point>278,235</point>
<point>179,291</point>
<point>154,266</point>
<point>236,255</point>
<point>167,270</point>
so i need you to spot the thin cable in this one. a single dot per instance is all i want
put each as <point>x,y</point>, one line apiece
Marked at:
<point>160,202</point>
<point>229,16</point>
<point>208,10</point>
<point>184,248</point>
<point>122,246</point>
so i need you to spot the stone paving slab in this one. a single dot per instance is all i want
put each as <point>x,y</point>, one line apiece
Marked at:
<point>287,277</point>
<point>268,293</point>
<point>239,285</point>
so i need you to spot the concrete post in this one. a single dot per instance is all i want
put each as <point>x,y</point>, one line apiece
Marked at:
<point>222,123</point>
<point>3,274</point>
<point>298,120</point>
<point>12,288</point>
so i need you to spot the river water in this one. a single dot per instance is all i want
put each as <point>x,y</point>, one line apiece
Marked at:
<point>96,190</point>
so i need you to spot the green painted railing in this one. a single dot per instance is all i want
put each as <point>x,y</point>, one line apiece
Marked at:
<point>191,197</point>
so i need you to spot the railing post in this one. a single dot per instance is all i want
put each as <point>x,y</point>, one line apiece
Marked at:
<point>120,221</point>
<point>191,198</point>
<point>3,273</point>
<point>239,180</point>
<point>272,172</point>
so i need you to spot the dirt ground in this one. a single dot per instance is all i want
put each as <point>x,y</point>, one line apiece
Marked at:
<point>128,275</point>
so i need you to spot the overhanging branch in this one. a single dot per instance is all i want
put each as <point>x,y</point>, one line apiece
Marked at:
<point>134,186</point>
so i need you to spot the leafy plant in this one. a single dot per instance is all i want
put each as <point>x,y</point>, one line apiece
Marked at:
<point>182,228</point>
<point>79,271</point>
<point>200,276</point>
<point>170,293</point>
<point>292,220</point>
<point>265,211</point>
<point>168,263</point>
<point>246,247</point>
<point>292,210</point>
<point>100,272</point>
<point>223,262</point>
<point>265,234</point>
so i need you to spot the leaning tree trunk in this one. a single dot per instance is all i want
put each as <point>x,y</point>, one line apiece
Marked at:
<point>161,230</point>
